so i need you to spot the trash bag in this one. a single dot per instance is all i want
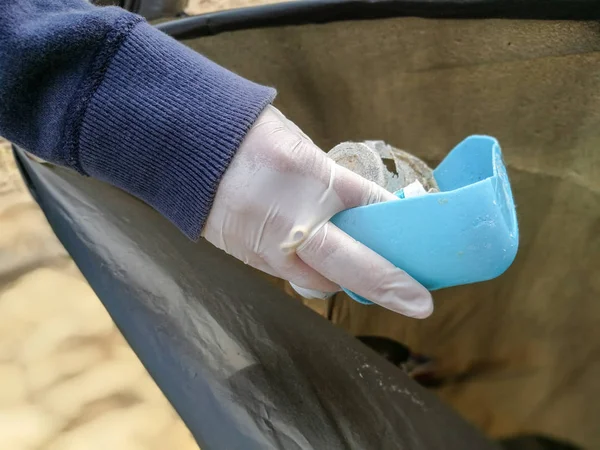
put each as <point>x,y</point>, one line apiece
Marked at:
<point>519,352</point>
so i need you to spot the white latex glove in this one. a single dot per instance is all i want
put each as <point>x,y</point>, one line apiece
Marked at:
<point>272,211</point>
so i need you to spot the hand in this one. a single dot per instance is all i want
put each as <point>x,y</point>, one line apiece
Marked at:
<point>272,211</point>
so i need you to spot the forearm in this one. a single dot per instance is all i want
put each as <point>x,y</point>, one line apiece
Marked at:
<point>102,92</point>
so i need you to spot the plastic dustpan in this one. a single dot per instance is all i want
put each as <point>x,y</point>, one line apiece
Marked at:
<point>464,234</point>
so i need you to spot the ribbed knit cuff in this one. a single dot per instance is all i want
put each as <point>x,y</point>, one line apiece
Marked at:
<point>164,124</point>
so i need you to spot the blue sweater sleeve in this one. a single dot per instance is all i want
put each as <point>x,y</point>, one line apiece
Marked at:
<point>102,92</point>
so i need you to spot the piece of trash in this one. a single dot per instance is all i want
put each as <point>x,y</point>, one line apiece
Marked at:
<point>368,159</point>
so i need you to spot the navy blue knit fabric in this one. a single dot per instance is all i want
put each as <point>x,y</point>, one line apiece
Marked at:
<point>102,92</point>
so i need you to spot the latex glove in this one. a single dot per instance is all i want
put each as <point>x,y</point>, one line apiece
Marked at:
<point>272,211</point>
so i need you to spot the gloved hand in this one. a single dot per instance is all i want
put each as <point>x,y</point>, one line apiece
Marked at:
<point>272,211</point>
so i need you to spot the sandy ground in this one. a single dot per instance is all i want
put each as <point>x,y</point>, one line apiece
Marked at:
<point>68,379</point>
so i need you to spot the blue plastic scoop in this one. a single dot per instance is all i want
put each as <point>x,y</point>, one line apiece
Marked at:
<point>464,234</point>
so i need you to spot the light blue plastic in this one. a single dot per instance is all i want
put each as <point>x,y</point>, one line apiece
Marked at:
<point>464,234</point>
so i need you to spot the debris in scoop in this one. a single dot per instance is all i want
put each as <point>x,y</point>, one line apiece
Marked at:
<point>411,176</point>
